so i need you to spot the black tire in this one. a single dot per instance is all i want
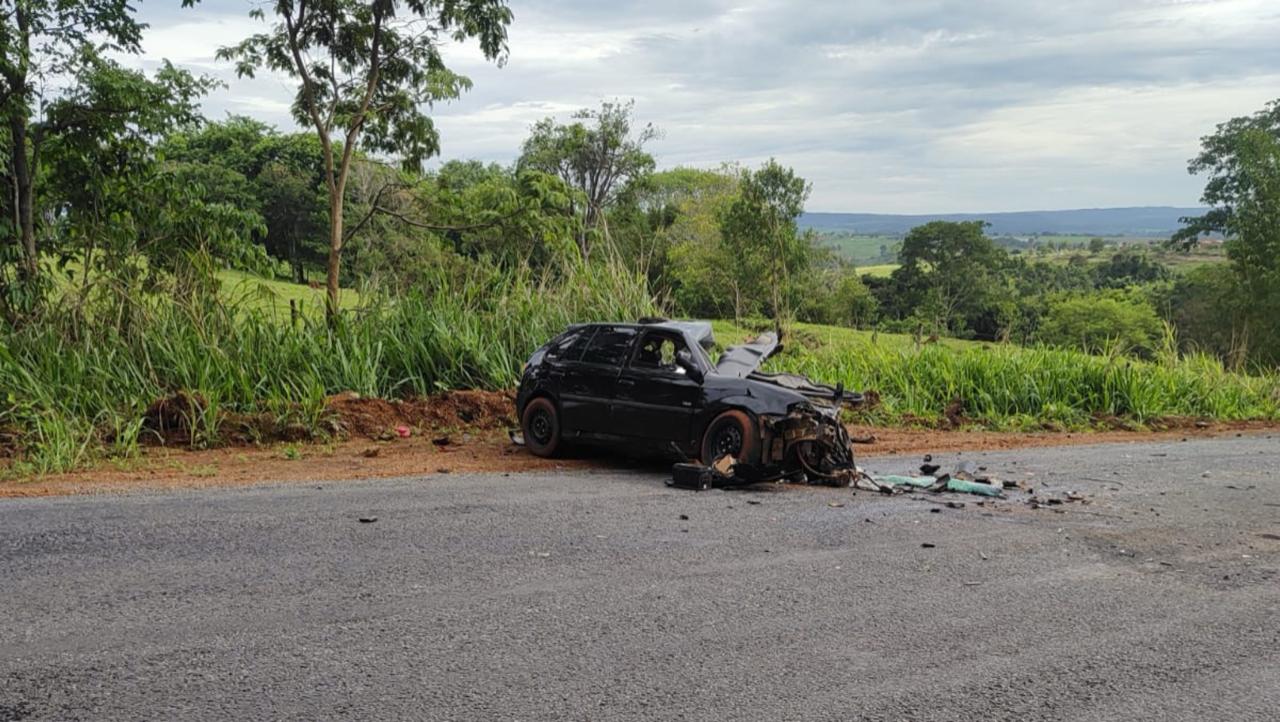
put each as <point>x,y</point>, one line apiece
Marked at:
<point>540,424</point>
<point>733,433</point>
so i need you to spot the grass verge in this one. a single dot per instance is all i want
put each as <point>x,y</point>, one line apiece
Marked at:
<point>1006,387</point>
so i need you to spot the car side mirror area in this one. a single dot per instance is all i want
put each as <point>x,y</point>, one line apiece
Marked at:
<point>684,360</point>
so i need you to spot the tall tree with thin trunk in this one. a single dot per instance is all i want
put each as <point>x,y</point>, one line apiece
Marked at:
<point>39,40</point>
<point>365,72</point>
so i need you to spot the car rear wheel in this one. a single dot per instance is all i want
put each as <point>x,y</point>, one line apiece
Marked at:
<point>541,426</point>
<point>731,434</point>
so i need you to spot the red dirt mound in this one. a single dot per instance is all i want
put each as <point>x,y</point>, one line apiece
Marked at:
<point>378,418</point>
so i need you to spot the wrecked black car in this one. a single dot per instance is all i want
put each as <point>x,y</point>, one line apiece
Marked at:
<point>651,387</point>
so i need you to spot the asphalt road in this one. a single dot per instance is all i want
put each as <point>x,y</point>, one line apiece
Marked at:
<point>588,596</point>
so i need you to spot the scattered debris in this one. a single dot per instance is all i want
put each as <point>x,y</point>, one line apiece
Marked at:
<point>928,545</point>
<point>368,519</point>
<point>684,517</point>
<point>1272,537</point>
<point>839,504</point>
<point>724,465</point>
<point>442,441</point>
<point>403,432</point>
<point>371,452</point>
<point>693,476</point>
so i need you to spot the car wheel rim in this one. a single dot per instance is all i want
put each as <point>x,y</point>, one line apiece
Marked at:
<point>540,427</point>
<point>728,441</point>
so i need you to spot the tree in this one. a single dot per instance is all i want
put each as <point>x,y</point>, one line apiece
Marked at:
<point>1242,159</point>
<point>278,176</point>
<point>117,201</point>
<point>660,212</point>
<point>950,272</point>
<point>595,154</point>
<point>700,273</point>
<point>760,233</point>
<point>41,39</point>
<point>1096,246</point>
<point>365,70</point>
<point>1225,156</point>
<point>1099,323</point>
<point>1128,268</point>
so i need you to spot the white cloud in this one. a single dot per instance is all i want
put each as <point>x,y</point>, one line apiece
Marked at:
<point>928,106</point>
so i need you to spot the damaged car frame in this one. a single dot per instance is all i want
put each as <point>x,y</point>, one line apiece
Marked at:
<point>651,388</point>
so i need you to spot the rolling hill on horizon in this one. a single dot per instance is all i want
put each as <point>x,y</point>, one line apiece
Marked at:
<point>1142,221</point>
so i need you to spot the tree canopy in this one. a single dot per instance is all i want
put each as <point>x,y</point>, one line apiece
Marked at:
<point>367,72</point>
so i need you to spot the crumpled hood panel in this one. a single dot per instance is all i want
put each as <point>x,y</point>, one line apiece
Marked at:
<point>740,361</point>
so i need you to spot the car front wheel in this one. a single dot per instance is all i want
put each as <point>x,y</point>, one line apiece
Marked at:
<point>730,434</point>
<point>541,426</point>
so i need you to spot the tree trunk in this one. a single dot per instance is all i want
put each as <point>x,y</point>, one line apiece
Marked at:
<point>295,263</point>
<point>23,185</point>
<point>335,251</point>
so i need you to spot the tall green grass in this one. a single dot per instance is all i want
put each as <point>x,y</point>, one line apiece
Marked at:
<point>1004,386</point>
<point>77,385</point>
<point>74,388</point>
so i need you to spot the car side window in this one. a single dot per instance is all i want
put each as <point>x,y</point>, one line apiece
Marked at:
<point>657,352</point>
<point>609,346</point>
<point>569,346</point>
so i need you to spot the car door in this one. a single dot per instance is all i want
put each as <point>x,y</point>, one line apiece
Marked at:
<point>589,384</point>
<point>655,398</point>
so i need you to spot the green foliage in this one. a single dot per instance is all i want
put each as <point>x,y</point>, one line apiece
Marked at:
<point>367,72</point>
<point>598,155</point>
<point>42,41</point>
<point>72,393</point>
<point>127,214</point>
<point>761,241</point>
<point>279,177</point>
<point>1129,268</point>
<point>1008,387</point>
<point>1242,160</point>
<point>1102,323</point>
<point>669,225</point>
<point>370,69</point>
<point>836,296</point>
<point>951,280</point>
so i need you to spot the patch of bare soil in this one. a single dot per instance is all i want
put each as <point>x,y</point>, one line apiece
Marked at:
<point>174,420</point>
<point>441,441</point>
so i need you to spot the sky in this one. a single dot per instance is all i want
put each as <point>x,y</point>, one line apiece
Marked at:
<point>896,106</point>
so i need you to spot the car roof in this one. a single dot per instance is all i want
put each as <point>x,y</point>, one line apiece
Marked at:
<point>699,331</point>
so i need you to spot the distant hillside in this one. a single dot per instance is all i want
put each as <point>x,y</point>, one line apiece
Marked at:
<point>1150,221</point>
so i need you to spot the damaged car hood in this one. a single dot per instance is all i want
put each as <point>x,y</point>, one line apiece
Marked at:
<point>744,361</point>
<point>740,361</point>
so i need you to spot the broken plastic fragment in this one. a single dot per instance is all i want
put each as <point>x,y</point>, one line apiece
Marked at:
<point>972,487</point>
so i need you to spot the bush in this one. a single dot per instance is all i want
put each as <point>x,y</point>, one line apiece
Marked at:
<point>1096,323</point>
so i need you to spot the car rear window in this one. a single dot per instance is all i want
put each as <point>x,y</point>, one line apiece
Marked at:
<point>568,346</point>
<point>609,346</point>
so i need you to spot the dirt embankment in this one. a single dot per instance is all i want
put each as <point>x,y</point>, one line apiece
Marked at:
<point>463,432</point>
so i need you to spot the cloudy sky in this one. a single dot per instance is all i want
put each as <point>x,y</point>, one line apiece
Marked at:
<point>894,106</point>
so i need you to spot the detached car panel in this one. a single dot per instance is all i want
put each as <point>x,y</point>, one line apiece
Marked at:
<point>651,387</point>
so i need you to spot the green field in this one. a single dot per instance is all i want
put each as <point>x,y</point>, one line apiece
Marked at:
<point>272,295</point>
<point>859,248</point>
<point>880,271</point>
